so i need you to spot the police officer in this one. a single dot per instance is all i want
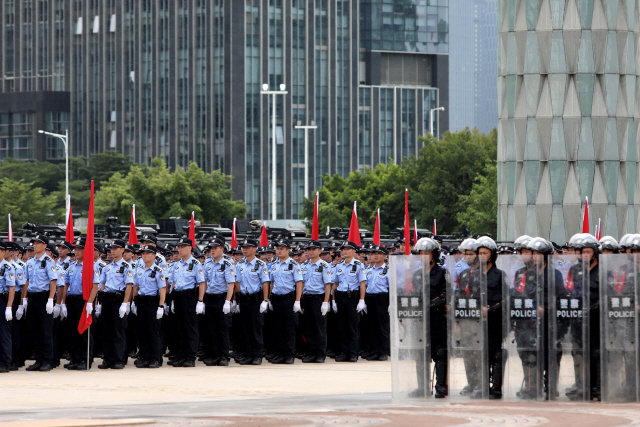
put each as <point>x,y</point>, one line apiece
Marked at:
<point>17,360</point>
<point>149,294</point>
<point>220,276</point>
<point>377,301</point>
<point>116,281</point>
<point>75,307</point>
<point>42,277</point>
<point>253,278</point>
<point>7,294</point>
<point>187,290</point>
<point>349,289</point>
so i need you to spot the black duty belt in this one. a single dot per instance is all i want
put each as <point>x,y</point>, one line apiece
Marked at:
<point>147,297</point>
<point>42,294</point>
<point>110,295</point>
<point>311,297</point>
<point>215,296</point>
<point>74,297</point>
<point>283,296</point>
<point>257,296</point>
<point>4,296</point>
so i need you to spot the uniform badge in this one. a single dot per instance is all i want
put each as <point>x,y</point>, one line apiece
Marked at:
<point>299,271</point>
<point>233,273</point>
<point>130,274</point>
<point>201,273</point>
<point>265,271</point>
<point>11,276</point>
<point>208,268</point>
<point>240,270</point>
<point>164,267</point>
<point>19,276</point>
<point>53,268</point>
<point>339,271</point>
<point>96,274</point>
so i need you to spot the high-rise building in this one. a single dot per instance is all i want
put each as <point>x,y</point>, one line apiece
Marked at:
<point>183,79</point>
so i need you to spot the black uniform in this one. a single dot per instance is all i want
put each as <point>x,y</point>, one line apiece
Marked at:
<point>438,319</point>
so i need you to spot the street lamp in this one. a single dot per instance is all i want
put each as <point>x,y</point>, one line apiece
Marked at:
<point>265,91</point>
<point>431,118</point>
<point>306,152</point>
<point>65,140</point>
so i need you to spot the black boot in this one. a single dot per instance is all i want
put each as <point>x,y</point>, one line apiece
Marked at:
<point>495,392</point>
<point>441,379</point>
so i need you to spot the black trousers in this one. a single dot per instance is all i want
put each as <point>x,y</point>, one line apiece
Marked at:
<point>148,331</point>
<point>114,342</point>
<point>378,314</point>
<point>348,322</point>
<point>186,324</point>
<point>5,336</point>
<point>284,323</point>
<point>78,342</point>
<point>16,356</point>
<point>251,323</point>
<point>315,325</point>
<point>132,332</point>
<point>216,327</point>
<point>41,326</point>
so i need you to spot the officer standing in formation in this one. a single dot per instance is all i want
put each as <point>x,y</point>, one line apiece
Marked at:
<point>7,294</point>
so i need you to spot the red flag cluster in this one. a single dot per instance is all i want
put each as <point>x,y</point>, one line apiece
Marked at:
<point>87,268</point>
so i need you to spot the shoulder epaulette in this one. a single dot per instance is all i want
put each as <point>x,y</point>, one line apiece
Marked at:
<point>125,264</point>
<point>46,258</point>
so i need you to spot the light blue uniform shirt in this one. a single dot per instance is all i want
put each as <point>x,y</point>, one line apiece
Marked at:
<point>20,277</point>
<point>349,276</point>
<point>187,275</point>
<point>116,276</point>
<point>378,280</point>
<point>284,276</point>
<point>219,275</point>
<point>149,280</point>
<point>316,276</point>
<point>73,277</point>
<point>459,268</point>
<point>40,272</point>
<point>7,276</point>
<point>251,275</point>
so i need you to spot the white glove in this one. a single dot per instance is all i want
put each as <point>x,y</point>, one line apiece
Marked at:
<point>173,307</point>
<point>25,303</point>
<point>200,307</point>
<point>325,308</point>
<point>123,310</point>
<point>56,311</point>
<point>235,308</point>
<point>49,307</point>
<point>89,309</point>
<point>361,306</point>
<point>20,312</point>
<point>128,308</point>
<point>63,311</point>
<point>160,312</point>
<point>296,306</point>
<point>98,309</point>
<point>134,309</point>
<point>264,305</point>
<point>270,306</point>
<point>226,308</point>
<point>166,310</point>
<point>334,306</point>
<point>8,314</point>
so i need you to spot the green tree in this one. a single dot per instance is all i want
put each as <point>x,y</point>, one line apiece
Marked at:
<point>50,177</point>
<point>100,167</point>
<point>25,203</point>
<point>159,193</point>
<point>481,205</point>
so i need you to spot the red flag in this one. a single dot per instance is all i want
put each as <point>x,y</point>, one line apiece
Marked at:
<point>192,231</point>
<point>376,230</point>
<point>407,224</point>
<point>69,237</point>
<point>10,230</point>
<point>415,231</point>
<point>354,229</point>
<point>234,239</point>
<point>434,226</point>
<point>585,219</point>
<point>133,233</point>
<point>599,230</point>
<point>314,228</point>
<point>87,269</point>
<point>264,240</point>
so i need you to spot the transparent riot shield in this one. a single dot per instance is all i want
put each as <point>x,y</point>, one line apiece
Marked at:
<point>409,316</point>
<point>568,328</point>
<point>523,344</point>
<point>618,327</point>
<point>467,321</point>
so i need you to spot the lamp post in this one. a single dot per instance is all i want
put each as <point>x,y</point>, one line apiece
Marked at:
<point>265,91</point>
<point>431,118</point>
<point>65,141</point>
<point>306,153</point>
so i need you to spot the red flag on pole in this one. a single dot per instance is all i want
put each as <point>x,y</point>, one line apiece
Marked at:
<point>133,233</point>
<point>264,240</point>
<point>87,269</point>
<point>407,224</point>
<point>434,226</point>
<point>315,234</point>
<point>10,230</point>
<point>599,229</point>
<point>585,219</point>
<point>354,229</point>
<point>376,230</point>
<point>415,231</point>
<point>234,239</point>
<point>192,231</point>
<point>69,236</point>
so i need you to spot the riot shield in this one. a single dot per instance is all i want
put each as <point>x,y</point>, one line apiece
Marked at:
<point>467,321</point>
<point>409,316</point>
<point>567,324</point>
<point>618,327</point>
<point>523,309</point>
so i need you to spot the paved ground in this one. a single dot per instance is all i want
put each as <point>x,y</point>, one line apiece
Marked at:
<point>267,395</point>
